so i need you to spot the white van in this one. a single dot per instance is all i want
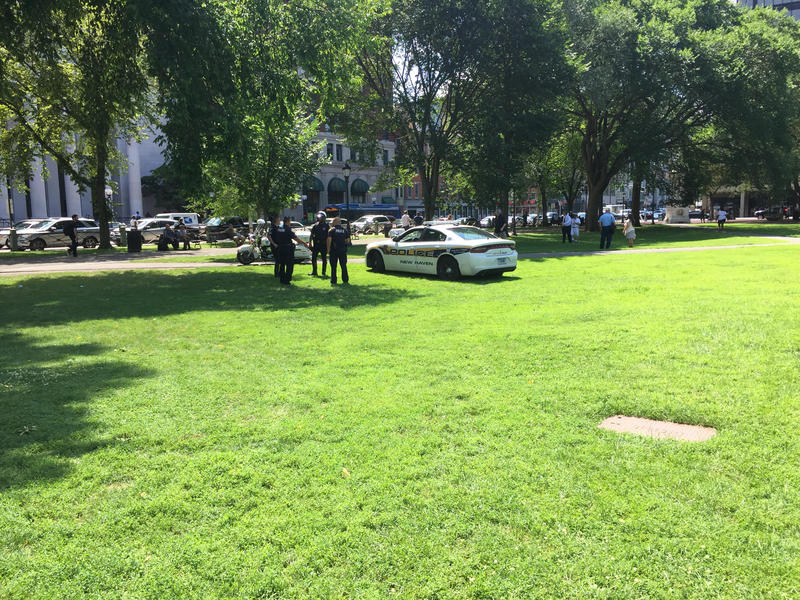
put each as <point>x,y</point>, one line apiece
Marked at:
<point>189,219</point>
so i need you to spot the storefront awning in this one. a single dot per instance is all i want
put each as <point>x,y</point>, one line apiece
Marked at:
<point>337,185</point>
<point>312,184</point>
<point>359,187</point>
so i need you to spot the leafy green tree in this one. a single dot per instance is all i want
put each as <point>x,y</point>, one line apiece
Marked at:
<point>72,101</point>
<point>426,75</point>
<point>284,85</point>
<point>523,72</point>
<point>653,75</point>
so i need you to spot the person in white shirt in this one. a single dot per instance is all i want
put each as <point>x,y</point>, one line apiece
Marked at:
<point>405,220</point>
<point>576,227</point>
<point>629,231</point>
<point>566,228</point>
<point>721,218</point>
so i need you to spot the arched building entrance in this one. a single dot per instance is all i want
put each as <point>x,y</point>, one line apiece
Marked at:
<point>358,191</point>
<point>336,189</point>
<point>312,188</point>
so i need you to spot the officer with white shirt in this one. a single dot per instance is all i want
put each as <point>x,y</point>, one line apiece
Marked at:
<point>607,224</point>
<point>566,228</point>
<point>722,216</point>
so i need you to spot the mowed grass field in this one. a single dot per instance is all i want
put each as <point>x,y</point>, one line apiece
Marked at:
<point>208,434</point>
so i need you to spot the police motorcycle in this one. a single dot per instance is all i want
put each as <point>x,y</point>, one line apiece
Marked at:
<point>257,247</point>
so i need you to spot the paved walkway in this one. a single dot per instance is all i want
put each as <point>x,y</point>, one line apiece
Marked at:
<point>134,262</point>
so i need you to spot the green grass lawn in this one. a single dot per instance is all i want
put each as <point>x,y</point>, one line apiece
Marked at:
<point>549,240</point>
<point>785,228</point>
<point>209,434</point>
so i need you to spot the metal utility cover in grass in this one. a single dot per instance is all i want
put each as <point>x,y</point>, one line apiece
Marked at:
<point>658,429</point>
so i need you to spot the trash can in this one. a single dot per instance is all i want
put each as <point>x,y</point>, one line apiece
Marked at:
<point>134,240</point>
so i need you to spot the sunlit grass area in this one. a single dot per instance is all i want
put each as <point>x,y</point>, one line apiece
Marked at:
<point>210,434</point>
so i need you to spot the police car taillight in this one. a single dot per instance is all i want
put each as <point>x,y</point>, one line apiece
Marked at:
<point>482,249</point>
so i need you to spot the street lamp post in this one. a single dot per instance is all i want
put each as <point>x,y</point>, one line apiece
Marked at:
<point>346,173</point>
<point>12,234</point>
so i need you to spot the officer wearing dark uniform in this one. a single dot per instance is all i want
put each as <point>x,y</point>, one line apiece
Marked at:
<point>319,244</point>
<point>70,230</point>
<point>338,241</point>
<point>281,237</point>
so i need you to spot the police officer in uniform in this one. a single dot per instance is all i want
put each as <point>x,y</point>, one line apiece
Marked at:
<point>319,244</point>
<point>281,237</point>
<point>70,230</point>
<point>338,241</point>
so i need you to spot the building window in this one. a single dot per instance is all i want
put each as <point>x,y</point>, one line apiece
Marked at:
<point>330,150</point>
<point>416,190</point>
<point>385,157</point>
<point>338,153</point>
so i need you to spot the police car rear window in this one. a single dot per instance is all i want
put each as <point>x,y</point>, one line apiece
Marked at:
<point>471,233</point>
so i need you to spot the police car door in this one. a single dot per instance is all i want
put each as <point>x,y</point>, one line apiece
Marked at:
<point>401,253</point>
<point>433,246</point>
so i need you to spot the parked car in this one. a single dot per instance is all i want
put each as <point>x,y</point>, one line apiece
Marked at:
<point>487,222</point>
<point>370,223</point>
<point>694,213</point>
<point>220,227</point>
<point>553,217</point>
<point>444,250</point>
<point>150,228</point>
<point>24,224</point>
<point>189,219</point>
<point>50,233</point>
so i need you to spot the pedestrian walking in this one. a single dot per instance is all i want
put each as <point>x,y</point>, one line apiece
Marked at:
<point>418,219</point>
<point>702,215</point>
<point>282,239</point>
<point>70,230</point>
<point>338,241</point>
<point>607,224</point>
<point>629,231</point>
<point>576,227</point>
<point>566,228</point>
<point>500,224</point>
<point>405,220</point>
<point>722,216</point>
<point>319,244</point>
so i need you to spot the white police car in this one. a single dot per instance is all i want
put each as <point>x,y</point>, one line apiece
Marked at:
<point>448,251</point>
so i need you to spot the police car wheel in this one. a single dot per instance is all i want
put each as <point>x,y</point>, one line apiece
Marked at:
<point>447,268</point>
<point>244,257</point>
<point>375,261</point>
<point>38,244</point>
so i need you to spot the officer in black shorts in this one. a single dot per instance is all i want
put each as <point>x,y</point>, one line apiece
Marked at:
<point>70,230</point>
<point>319,244</point>
<point>338,241</point>
<point>282,239</point>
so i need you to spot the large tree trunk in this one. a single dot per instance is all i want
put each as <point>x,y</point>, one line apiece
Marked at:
<point>636,200</point>
<point>542,193</point>
<point>430,188</point>
<point>595,205</point>
<point>99,201</point>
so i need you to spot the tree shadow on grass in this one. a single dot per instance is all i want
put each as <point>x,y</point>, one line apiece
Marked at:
<point>44,406</point>
<point>42,301</point>
<point>472,280</point>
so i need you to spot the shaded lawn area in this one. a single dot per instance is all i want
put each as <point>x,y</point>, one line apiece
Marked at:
<point>539,240</point>
<point>786,228</point>
<point>48,254</point>
<point>647,236</point>
<point>208,434</point>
